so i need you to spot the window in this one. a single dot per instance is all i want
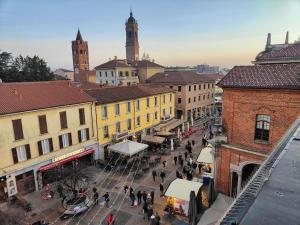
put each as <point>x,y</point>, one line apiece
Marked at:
<point>65,140</point>
<point>189,100</point>
<point>112,73</point>
<point>105,132</point>
<point>128,107</point>
<point>203,97</point>
<point>155,115</point>
<point>194,99</point>
<point>171,110</point>
<point>117,109</point>
<point>148,102</point>
<point>199,86</point>
<point>190,88</point>
<point>203,86</point>
<point>148,117</point>
<point>208,96</point>
<point>127,74</point>
<point>100,75</point>
<point>63,120</point>
<point>195,87</point>
<point>170,98</point>
<point>179,88</point>
<point>164,112</point>
<point>105,73</point>
<point>83,135</point>
<point>138,121</point>
<point>45,146</point>
<point>43,124</point>
<point>179,100</point>
<point>171,87</point>
<point>155,101</point>
<point>121,74</point>
<point>199,98</point>
<point>129,124</point>
<point>104,112</point>
<point>164,99</point>
<point>21,153</point>
<point>262,127</point>
<point>208,86</point>
<point>138,105</point>
<point>18,129</point>
<point>81,116</point>
<point>212,95</point>
<point>118,127</point>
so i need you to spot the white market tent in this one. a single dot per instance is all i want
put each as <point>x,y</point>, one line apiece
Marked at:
<point>206,155</point>
<point>181,189</point>
<point>128,147</point>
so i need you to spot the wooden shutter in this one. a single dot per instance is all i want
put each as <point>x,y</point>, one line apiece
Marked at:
<point>39,143</point>
<point>50,144</point>
<point>15,155</point>
<point>63,120</point>
<point>79,136</point>
<point>87,134</point>
<point>28,154</point>
<point>43,124</point>
<point>70,139</point>
<point>81,116</point>
<point>60,141</point>
<point>18,129</point>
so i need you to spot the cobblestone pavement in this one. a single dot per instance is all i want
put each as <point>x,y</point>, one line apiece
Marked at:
<point>120,205</point>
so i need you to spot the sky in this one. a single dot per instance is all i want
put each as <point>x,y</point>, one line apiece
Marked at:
<point>173,32</point>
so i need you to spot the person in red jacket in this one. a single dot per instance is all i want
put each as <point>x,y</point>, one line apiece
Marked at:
<point>110,219</point>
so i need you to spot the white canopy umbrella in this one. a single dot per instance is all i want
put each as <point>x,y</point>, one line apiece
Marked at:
<point>128,147</point>
<point>206,155</point>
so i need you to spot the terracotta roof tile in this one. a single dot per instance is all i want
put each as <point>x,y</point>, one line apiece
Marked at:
<point>179,77</point>
<point>145,63</point>
<point>117,94</point>
<point>268,76</point>
<point>20,97</point>
<point>112,64</point>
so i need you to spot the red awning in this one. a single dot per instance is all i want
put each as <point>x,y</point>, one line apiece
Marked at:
<point>66,160</point>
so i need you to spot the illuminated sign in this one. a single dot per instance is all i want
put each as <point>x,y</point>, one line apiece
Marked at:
<point>67,155</point>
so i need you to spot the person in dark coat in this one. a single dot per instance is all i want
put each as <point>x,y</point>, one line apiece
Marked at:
<point>132,197</point>
<point>106,198</point>
<point>175,160</point>
<point>181,163</point>
<point>152,197</point>
<point>145,210</point>
<point>203,141</point>
<point>150,212</point>
<point>96,198</point>
<point>157,218</point>
<point>161,188</point>
<point>130,191</point>
<point>189,143</point>
<point>164,163</point>
<point>154,174</point>
<point>162,176</point>
<point>193,142</point>
<point>200,168</point>
<point>185,155</point>
<point>144,195</point>
<point>139,197</point>
<point>177,174</point>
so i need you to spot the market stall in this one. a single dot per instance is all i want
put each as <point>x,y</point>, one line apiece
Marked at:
<point>128,148</point>
<point>178,195</point>
<point>206,158</point>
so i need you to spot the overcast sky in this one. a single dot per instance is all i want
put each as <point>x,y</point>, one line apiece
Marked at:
<point>173,32</point>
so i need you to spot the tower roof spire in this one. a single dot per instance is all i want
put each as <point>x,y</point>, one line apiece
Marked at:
<point>79,37</point>
<point>130,11</point>
<point>287,38</point>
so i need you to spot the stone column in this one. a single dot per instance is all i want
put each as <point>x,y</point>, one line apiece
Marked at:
<point>239,184</point>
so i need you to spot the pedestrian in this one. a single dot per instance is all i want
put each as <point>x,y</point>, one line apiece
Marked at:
<point>185,155</point>
<point>181,163</point>
<point>152,219</point>
<point>180,156</point>
<point>177,174</point>
<point>132,197</point>
<point>96,197</point>
<point>203,141</point>
<point>125,189</point>
<point>154,174</point>
<point>145,210</point>
<point>130,191</point>
<point>164,163</point>
<point>157,218</point>
<point>193,142</point>
<point>152,197</point>
<point>149,212</point>
<point>144,195</point>
<point>162,175</point>
<point>189,143</point>
<point>106,198</point>
<point>175,160</point>
<point>161,188</point>
<point>110,219</point>
<point>211,135</point>
<point>139,197</point>
<point>60,190</point>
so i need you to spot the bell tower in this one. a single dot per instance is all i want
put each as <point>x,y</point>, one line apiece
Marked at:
<point>80,52</point>
<point>132,43</point>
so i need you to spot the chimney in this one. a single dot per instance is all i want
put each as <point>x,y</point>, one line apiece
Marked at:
<point>287,38</point>
<point>268,41</point>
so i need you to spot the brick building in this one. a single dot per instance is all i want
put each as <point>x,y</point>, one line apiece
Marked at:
<point>260,103</point>
<point>80,52</point>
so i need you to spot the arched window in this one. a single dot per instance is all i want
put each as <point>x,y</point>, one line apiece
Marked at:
<point>129,34</point>
<point>262,127</point>
<point>81,52</point>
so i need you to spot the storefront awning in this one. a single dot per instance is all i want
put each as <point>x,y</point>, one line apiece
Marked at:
<point>164,133</point>
<point>206,155</point>
<point>66,160</point>
<point>181,189</point>
<point>153,139</point>
<point>169,125</point>
<point>128,147</point>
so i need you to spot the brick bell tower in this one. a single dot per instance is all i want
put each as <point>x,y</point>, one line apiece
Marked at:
<point>132,43</point>
<point>80,52</point>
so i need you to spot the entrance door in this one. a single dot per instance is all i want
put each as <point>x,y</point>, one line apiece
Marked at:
<point>234,183</point>
<point>25,182</point>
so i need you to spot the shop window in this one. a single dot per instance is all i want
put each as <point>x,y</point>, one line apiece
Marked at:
<point>129,124</point>
<point>63,120</point>
<point>81,116</point>
<point>148,117</point>
<point>105,132</point>
<point>43,124</point>
<point>128,107</point>
<point>138,121</point>
<point>83,135</point>
<point>118,127</point>
<point>117,109</point>
<point>104,112</point>
<point>18,129</point>
<point>262,127</point>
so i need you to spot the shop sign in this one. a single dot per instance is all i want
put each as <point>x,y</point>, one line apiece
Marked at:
<point>67,155</point>
<point>11,185</point>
